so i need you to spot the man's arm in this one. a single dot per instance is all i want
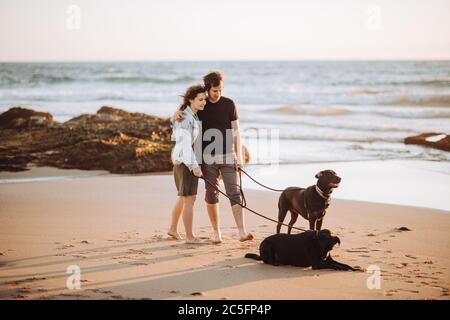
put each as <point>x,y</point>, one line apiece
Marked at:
<point>237,142</point>
<point>177,116</point>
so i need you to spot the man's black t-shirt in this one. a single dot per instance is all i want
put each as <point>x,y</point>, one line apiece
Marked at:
<point>219,116</point>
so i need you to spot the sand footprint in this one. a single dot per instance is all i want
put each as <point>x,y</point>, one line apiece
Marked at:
<point>390,292</point>
<point>64,247</point>
<point>408,290</point>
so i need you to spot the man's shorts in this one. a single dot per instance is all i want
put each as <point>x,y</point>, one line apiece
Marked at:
<point>212,172</point>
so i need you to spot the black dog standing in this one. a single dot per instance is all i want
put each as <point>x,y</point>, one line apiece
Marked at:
<point>311,203</point>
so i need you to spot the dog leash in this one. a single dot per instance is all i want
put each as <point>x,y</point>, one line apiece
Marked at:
<point>264,186</point>
<point>244,203</point>
<point>278,190</point>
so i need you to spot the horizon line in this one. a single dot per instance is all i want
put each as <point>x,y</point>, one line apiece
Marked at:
<point>232,60</point>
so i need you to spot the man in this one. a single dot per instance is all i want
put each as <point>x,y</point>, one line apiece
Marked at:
<point>220,125</point>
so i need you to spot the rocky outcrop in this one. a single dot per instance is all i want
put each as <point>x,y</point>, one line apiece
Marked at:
<point>16,118</point>
<point>431,139</point>
<point>112,139</point>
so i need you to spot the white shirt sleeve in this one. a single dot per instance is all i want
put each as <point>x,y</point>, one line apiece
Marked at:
<point>183,145</point>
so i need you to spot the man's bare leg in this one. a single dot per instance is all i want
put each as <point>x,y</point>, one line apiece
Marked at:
<point>238,213</point>
<point>213,213</point>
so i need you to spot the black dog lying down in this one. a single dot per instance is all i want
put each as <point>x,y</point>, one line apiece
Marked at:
<point>306,249</point>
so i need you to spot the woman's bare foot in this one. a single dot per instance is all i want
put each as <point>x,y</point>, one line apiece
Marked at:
<point>246,238</point>
<point>217,238</point>
<point>175,235</point>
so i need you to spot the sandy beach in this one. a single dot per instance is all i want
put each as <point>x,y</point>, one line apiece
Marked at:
<point>113,227</point>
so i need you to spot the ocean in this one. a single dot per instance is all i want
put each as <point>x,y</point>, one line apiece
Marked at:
<point>320,111</point>
<point>347,116</point>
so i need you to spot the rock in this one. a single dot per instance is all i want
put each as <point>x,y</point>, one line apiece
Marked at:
<point>112,139</point>
<point>17,118</point>
<point>403,229</point>
<point>197,294</point>
<point>439,141</point>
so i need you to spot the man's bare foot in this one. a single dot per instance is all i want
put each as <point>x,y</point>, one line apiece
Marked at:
<point>194,240</point>
<point>175,235</point>
<point>246,238</point>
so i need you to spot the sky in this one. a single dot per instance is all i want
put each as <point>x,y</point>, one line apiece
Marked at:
<point>139,30</point>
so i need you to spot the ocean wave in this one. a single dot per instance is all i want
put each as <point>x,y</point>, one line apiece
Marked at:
<point>365,91</point>
<point>432,82</point>
<point>359,127</point>
<point>389,110</point>
<point>7,80</point>
<point>348,137</point>
<point>435,101</point>
<point>308,110</point>
<point>341,138</point>
<point>396,83</point>
<point>143,79</point>
<point>36,79</point>
<point>416,114</point>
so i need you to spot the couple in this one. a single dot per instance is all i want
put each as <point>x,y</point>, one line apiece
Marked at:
<point>205,114</point>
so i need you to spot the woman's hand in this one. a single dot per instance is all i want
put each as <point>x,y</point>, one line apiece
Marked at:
<point>197,172</point>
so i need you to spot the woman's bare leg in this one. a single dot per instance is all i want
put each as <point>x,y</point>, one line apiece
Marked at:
<point>176,215</point>
<point>188,216</point>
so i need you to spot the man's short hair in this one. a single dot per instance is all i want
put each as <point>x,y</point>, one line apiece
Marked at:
<point>212,79</point>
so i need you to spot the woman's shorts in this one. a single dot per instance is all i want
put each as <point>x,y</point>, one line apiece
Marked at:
<point>185,181</point>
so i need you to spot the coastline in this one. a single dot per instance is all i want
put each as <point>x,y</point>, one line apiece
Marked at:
<point>411,182</point>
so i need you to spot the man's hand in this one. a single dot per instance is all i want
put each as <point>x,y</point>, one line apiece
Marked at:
<point>239,165</point>
<point>177,116</point>
<point>197,172</point>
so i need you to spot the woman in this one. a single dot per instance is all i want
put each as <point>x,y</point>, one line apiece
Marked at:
<point>186,169</point>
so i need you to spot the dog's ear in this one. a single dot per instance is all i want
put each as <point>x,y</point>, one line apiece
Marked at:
<point>324,234</point>
<point>319,174</point>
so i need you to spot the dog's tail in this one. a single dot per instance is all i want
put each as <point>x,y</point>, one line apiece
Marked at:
<point>253,256</point>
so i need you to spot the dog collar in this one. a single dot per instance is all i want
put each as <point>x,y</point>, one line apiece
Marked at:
<point>321,193</point>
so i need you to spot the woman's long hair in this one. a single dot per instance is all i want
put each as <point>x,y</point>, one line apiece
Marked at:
<point>190,94</point>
